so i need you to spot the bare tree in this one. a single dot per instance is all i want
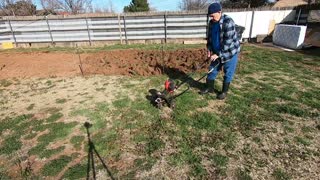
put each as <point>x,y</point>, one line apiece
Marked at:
<point>71,6</point>
<point>76,6</point>
<point>25,8</point>
<point>6,7</point>
<point>17,7</point>
<point>111,7</point>
<point>50,6</point>
<point>187,5</point>
<point>243,3</point>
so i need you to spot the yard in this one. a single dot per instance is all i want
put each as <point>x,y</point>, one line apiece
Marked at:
<point>267,128</point>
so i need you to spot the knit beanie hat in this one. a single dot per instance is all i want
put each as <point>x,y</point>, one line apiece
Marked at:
<point>214,7</point>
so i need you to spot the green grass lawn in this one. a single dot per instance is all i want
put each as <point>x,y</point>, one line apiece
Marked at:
<point>267,128</point>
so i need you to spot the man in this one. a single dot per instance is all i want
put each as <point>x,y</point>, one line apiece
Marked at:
<point>223,45</point>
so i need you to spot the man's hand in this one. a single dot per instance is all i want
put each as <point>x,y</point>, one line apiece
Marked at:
<point>214,57</point>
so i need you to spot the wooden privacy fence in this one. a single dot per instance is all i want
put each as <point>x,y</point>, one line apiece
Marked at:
<point>126,27</point>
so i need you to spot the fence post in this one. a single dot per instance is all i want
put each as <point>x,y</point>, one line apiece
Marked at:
<point>120,31</point>
<point>125,28</point>
<point>298,18</point>
<point>12,32</point>
<point>165,27</point>
<point>88,31</point>
<point>251,26</point>
<point>207,28</point>
<point>49,30</point>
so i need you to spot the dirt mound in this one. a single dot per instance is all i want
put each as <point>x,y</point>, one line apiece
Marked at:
<point>116,62</point>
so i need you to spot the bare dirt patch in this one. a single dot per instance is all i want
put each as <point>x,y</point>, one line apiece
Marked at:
<point>116,62</point>
<point>213,106</point>
<point>25,65</point>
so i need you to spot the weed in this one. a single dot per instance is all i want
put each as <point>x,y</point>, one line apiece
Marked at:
<point>25,166</point>
<point>121,103</point>
<point>198,170</point>
<point>220,160</point>
<point>307,129</point>
<point>153,145</point>
<point>195,161</point>
<point>30,107</point>
<point>56,131</point>
<point>262,163</point>
<point>52,110</point>
<point>279,174</point>
<point>76,172</point>
<point>5,83</point>
<point>145,164</point>
<point>97,115</point>
<point>292,109</point>
<point>288,129</point>
<point>310,98</point>
<point>77,142</point>
<point>243,175</point>
<point>106,143</point>
<point>257,140</point>
<point>303,141</point>
<point>16,95</point>
<point>54,117</point>
<point>38,149</point>
<point>10,123</point>
<point>139,138</point>
<point>61,101</point>
<point>55,166</point>
<point>40,127</point>
<point>100,89</point>
<point>48,83</point>
<point>30,136</point>
<point>46,153</point>
<point>10,145</point>
<point>205,120</point>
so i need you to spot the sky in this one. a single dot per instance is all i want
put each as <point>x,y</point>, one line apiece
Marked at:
<point>159,5</point>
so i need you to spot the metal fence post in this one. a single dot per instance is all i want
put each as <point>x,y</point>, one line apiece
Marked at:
<point>125,29</point>
<point>165,27</point>
<point>251,26</point>
<point>207,28</point>
<point>88,31</point>
<point>120,31</point>
<point>12,32</point>
<point>298,18</point>
<point>49,30</point>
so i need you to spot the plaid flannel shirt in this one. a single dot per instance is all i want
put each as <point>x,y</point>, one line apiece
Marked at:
<point>229,41</point>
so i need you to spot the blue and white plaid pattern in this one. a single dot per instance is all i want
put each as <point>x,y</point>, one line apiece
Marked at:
<point>230,44</point>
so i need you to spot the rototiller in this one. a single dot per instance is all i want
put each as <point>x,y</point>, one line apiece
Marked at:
<point>168,96</point>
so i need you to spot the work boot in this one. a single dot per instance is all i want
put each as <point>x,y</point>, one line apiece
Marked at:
<point>224,92</point>
<point>209,87</point>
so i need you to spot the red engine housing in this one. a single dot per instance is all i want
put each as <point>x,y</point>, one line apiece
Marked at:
<point>169,86</point>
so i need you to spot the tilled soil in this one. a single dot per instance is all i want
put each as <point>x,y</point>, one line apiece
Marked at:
<point>115,62</point>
